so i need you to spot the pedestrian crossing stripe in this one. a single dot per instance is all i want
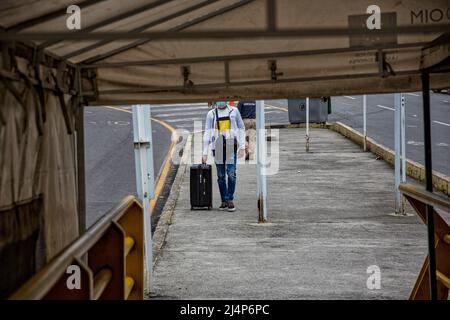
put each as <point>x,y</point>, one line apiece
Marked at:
<point>183,119</point>
<point>187,106</point>
<point>189,109</point>
<point>177,114</point>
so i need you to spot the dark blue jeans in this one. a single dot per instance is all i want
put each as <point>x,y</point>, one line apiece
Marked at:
<point>227,169</point>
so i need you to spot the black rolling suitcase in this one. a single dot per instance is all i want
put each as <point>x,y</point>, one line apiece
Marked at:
<point>201,186</point>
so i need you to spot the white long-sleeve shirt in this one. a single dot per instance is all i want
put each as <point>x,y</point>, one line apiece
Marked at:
<point>237,129</point>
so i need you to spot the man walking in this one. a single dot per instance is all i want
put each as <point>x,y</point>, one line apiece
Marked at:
<point>247,110</point>
<point>225,130</point>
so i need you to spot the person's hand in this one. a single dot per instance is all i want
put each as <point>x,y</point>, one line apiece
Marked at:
<point>241,153</point>
<point>204,159</point>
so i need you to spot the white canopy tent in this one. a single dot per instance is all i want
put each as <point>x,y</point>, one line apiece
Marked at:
<point>154,51</point>
<point>197,50</point>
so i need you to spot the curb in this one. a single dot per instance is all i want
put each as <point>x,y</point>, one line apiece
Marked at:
<point>165,220</point>
<point>414,170</point>
<point>298,125</point>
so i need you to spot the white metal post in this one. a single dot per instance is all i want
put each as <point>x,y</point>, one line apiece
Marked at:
<point>403,136</point>
<point>143,152</point>
<point>365,121</point>
<point>307,124</point>
<point>261,162</point>
<point>397,142</point>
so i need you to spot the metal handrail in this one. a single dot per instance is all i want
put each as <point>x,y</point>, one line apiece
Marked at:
<point>41,283</point>
<point>443,279</point>
<point>424,202</point>
<point>424,196</point>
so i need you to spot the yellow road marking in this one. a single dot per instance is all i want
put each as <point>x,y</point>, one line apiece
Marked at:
<point>165,171</point>
<point>166,163</point>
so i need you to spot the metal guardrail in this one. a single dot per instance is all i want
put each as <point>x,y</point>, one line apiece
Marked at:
<point>109,259</point>
<point>424,196</point>
<point>419,200</point>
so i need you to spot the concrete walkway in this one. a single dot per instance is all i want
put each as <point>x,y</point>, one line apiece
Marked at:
<point>328,222</point>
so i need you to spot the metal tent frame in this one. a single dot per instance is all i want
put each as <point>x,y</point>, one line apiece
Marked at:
<point>18,41</point>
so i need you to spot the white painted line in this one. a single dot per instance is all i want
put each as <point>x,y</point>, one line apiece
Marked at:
<point>272,111</point>
<point>185,120</point>
<point>178,114</point>
<point>183,105</point>
<point>446,101</point>
<point>274,107</point>
<point>350,97</point>
<point>179,104</point>
<point>415,143</point>
<point>413,94</point>
<point>168,109</point>
<point>443,123</point>
<point>442,144</point>
<point>384,107</point>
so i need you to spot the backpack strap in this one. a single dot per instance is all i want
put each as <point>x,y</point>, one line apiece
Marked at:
<point>217,120</point>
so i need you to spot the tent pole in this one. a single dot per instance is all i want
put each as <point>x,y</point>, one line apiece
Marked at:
<point>429,184</point>
<point>365,122</point>
<point>143,152</point>
<point>80,156</point>
<point>307,124</point>
<point>397,142</point>
<point>261,162</point>
<point>81,175</point>
<point>403,147</point>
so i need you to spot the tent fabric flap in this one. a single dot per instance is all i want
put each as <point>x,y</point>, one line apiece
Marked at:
<point>38,208</point>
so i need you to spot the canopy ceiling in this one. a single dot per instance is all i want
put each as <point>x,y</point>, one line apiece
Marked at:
<point>197,50</point>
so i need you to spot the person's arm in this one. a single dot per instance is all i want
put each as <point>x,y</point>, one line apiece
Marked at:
<point>241,130</point>
<point>239,107</point>
<point>207,134</point>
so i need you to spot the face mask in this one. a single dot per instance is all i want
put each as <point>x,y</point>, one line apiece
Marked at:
<point>221,104</point>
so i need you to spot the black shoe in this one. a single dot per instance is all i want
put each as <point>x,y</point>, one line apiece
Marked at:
<point>231,206</point>
<point>223,206</point>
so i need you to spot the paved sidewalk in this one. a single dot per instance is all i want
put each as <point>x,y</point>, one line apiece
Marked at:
<point>328,222</point>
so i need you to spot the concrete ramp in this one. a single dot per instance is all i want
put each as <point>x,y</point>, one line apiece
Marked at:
<point>328,223</point>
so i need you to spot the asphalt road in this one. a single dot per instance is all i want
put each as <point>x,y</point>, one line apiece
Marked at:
<point>110,169</point>
<point>109,140</point>
<point>192,117</point>
<point>380,123</point>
